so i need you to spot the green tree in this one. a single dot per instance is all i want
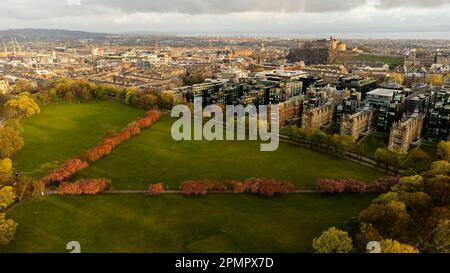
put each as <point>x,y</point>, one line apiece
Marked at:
<point>382,156</point>
<point>440,167</point>
<point>438,188</point>
<point>333,241</point>
<point>417,160</point>
<point>10,142</point>
<point>367,233</point>
<point>389,158</point>
<point>392,246</point>
<point>391,218</point>
<point>413,183</point>
<point>443,150</point>
<point>131,97</point>
<point>7,229</point>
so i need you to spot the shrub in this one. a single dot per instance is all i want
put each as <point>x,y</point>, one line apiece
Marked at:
<point>156,189</point>
<point>267,187</point>
<point>194,187</point>
<point>330,186</point>
<point>383,185</point>
<point>355,186</point>
<point>84,186</point>
<point>253,185</point>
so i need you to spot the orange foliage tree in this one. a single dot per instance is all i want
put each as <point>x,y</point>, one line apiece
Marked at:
<point>155,189</point>
<point>84,186</point>
<point>65,171</point>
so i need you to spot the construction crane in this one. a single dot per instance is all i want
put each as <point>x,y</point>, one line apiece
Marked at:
<point>4,46</point>
<point>17,44</point>
<point>14,46</point>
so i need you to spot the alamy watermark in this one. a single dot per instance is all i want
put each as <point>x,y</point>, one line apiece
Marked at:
<point>231,126</point>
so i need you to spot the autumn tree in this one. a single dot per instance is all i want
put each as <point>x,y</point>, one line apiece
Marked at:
<point>396,77</point>
<point>435,79</point>
<point>333,241</point>
<point>65,171</point>
<point>392,246</point>
<point>10,142</point>
<point>7,197</point>
<point>27,186</point>
<point>156,189</point>
<point>22,86</point>
<point>14,124</point>
<point>5,170</point>
<point>84,186</point>
<point>22,106</point>
<point>166,99</point>
<point>7,229</point>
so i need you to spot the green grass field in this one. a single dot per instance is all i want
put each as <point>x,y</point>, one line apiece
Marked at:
<point>61,131</point>
<point>392,61</point>
<point>369,145</point>
<point>154,157</point>
<point>173,223</point>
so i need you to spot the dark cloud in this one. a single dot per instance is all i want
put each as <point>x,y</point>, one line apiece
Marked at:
<point>229,15</point>
<point>32,9</point>
<point>232,6</point>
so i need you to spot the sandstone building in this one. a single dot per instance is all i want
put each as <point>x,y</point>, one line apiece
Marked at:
<point>356,124</point>
<point>315,118</point>
<point>405,132</point>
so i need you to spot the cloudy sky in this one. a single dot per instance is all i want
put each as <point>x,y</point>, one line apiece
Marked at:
<point>229,16</point>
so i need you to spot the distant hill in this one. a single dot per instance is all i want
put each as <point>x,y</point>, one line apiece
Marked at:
<point>30,34</point>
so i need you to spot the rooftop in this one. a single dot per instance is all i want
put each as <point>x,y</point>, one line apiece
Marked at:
<point>383,92</point>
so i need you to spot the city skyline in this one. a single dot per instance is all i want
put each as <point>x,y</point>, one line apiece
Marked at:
<point>258,17</point>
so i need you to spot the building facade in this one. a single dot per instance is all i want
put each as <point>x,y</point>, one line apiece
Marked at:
<point>317,117</point>
<point>356,124</point>
<point>405,132</point>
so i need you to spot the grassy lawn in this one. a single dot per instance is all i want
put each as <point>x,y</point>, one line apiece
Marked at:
<point>173,223</point>
<point>392,61</point>
<point>154,156</point>
<point>61,131</point>
<point>371,143</point>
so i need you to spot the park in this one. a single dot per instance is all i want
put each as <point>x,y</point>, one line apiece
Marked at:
<point>167,223</point>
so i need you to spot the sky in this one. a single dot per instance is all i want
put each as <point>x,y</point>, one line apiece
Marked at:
<point>229,16</point>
